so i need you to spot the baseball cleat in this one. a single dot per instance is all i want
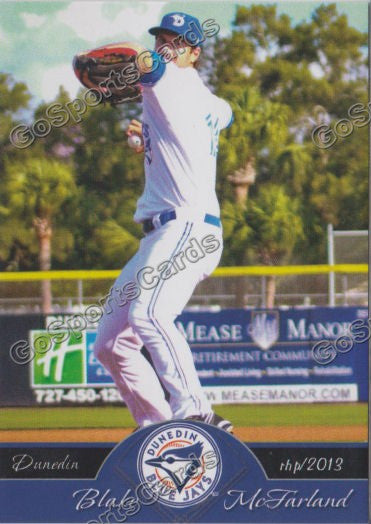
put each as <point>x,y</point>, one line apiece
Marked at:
<point>222,423</point>
<point>214,420</point>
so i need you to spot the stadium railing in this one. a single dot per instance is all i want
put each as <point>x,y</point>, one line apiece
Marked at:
<point>235,286</point>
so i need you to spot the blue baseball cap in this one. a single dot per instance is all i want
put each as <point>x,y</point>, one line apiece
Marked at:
<point>181,24</point>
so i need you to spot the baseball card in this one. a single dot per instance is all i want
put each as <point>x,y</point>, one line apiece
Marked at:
<point>184,261</point>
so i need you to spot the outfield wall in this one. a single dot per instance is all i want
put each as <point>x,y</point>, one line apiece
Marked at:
<point>242,356</point>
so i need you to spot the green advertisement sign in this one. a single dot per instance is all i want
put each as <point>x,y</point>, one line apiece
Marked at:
<point>59,358</point>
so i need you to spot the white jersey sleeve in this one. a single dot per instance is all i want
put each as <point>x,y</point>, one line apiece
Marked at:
<point>182,120</point>
<point>224,111</point>
<point>173,81</point>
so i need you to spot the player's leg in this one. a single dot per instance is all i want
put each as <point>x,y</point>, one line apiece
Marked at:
<point>210,237</point>
<point>152,314</point>
<point>117,347</point>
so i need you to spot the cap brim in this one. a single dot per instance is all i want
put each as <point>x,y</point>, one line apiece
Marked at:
<point>158,29</point>
<point>154,30</point>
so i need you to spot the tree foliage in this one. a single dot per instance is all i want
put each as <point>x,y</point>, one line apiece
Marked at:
<point>281,80</point>
<point>293,78</point>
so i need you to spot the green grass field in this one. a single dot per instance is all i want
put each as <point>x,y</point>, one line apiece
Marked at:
<point>241,415</point>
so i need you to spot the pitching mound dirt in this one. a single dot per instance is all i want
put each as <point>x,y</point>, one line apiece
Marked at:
<point>247,434</point>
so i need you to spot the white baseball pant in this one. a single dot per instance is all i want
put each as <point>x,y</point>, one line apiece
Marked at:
<point>145,316</point>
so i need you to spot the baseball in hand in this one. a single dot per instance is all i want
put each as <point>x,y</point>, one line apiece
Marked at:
<point>135,141</point>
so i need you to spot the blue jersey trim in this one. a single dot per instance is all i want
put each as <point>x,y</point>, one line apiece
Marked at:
<point>158,69</point>
<point>231,121</point>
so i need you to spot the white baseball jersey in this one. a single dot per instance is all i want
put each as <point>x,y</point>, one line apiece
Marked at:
<point>181,124</point>
<point>182,120</point>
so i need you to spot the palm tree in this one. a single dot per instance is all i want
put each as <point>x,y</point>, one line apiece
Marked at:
<point>277,226</point>
<point>260,127</point>
<point>37,188</point>
<point>241,180</point>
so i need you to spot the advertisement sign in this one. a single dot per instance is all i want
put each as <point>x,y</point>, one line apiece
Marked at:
<point>241,356</point>
<point>293,355</point>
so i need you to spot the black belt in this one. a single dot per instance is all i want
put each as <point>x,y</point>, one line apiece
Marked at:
<point>148,225</point>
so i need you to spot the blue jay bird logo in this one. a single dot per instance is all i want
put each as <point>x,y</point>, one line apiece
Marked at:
<point>180,464</point>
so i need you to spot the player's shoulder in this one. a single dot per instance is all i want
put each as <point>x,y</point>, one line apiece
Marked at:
<point>188,74</point>
<point>170,74</point>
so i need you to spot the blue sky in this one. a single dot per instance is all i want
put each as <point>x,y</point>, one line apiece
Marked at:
<point>39,39</point>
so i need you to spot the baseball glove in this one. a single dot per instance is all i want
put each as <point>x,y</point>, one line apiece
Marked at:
<point>111,71</point>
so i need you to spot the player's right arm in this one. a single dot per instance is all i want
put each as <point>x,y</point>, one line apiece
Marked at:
<point>135,128</point>
<point>151,69</point>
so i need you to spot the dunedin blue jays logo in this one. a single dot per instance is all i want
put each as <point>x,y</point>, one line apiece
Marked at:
<point>178,20</point>
<point>180,463</point>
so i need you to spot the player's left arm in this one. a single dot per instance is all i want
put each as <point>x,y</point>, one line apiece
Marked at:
<point>117,70</point>
<point>151,67</point>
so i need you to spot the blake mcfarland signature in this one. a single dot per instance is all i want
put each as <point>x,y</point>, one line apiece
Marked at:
<point>283,498</point>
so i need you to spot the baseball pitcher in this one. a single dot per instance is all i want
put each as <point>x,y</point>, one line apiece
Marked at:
<point>182,242</point>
